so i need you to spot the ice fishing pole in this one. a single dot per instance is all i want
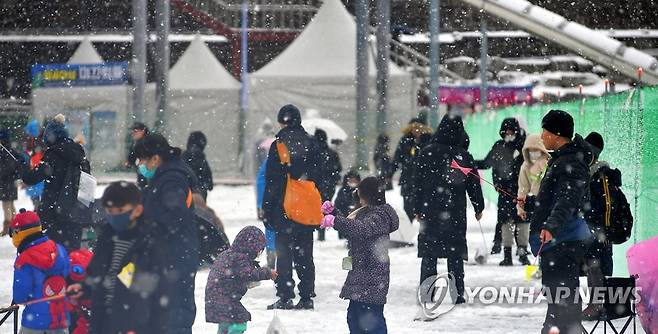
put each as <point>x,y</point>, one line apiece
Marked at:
<point>468,171</point>
<point>8,151</point>
<point>35,301</point>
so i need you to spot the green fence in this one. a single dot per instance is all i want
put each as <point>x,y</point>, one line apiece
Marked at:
<point>629,124</point>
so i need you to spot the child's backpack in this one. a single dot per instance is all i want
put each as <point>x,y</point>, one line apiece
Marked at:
<point>613,212</point>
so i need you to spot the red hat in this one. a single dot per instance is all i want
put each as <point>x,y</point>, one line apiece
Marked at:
<point>79,260</point>
<point>25,219</point>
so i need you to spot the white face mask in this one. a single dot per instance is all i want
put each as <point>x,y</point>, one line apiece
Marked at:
<point>534,155</point>
<point>353,185</point>
<point>509,138</point>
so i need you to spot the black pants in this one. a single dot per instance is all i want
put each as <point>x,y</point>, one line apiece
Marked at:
<point>295,247</point>
<point>365,318</point>
<point>455,267</point>
<point>409,206</point>
<point>561,267</point>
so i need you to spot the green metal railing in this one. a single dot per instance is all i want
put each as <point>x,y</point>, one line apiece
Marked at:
<point>627,121</point>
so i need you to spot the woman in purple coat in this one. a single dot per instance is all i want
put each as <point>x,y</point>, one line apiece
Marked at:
<point>367,231</point>
<point>229,279</point>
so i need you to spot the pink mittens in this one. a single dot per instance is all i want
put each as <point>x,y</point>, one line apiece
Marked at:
<point>327,207</point>
<point>327,221</point>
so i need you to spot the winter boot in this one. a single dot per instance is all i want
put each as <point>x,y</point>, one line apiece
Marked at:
<point>496,248</point>
<point>507,261</point>
<point>281,304</point>
<point>523,255</point>
<point>304,304</point>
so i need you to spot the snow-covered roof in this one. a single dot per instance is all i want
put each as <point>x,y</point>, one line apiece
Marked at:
<point>198,68</point>
<point>326,48</point>
<point>85,54</point>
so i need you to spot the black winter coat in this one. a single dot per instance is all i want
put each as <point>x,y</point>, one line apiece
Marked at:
<point>441,192</point>
<point>505,159</point>
<point>9,173</point>
<point>564,193</point>
<point>304,158</point>
<point>136,308</point>
<point>60,169</point>
<point>405,154</point>
<point>196,160</point>
<point>329,171</point>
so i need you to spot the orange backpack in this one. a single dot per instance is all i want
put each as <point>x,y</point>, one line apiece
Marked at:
<point>302,201</point>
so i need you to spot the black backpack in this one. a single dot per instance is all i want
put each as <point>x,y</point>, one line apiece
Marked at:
<point>610,210</point>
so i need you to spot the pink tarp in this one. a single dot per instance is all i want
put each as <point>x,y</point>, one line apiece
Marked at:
<point>643,262</point>
<point>496,95</point>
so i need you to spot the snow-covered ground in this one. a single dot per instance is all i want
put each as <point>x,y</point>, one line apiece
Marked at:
<point>236,207</point>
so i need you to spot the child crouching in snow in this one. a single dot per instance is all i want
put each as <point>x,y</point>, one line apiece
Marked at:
<point>229,278</point>
<point>367,231</point>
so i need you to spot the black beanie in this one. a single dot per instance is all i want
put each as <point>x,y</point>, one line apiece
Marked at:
<point>120,193</point>
<point>559,123</point>
<point>595,139</point>
<point>289,115</point>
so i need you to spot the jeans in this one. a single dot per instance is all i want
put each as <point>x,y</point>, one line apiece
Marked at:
<point>365,318</point>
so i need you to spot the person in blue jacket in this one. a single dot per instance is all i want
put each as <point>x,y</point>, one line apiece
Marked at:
<point>168,203</point>
<point>270,235</point>
<point>40,272</point>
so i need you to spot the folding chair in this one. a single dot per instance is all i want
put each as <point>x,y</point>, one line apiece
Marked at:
<point>614,310</point>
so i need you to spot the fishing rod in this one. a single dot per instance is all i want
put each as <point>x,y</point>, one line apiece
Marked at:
<point>468,171</point>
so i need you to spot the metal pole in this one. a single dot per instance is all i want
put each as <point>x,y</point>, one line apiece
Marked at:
<point>434,63</point>
<point>362,35</point>
<point>244,67</point>
<point>162,10</point>
<point>138,66</point>
<point>484,62</point>
<point>383,56</point>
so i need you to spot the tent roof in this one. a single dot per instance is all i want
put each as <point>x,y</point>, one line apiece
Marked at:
<point>326,48</point>
<point>85,54</point>
<point>198,68</point>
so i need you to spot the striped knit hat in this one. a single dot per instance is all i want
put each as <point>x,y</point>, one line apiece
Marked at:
<point>25,223</point>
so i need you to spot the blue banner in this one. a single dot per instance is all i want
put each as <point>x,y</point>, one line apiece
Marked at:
<point>68,75</point>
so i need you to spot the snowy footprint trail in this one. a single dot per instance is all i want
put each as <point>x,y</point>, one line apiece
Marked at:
<point>236,207</point>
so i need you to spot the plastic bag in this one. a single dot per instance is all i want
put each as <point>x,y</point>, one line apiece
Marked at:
<point>276,326</point>
<point>86,189</point>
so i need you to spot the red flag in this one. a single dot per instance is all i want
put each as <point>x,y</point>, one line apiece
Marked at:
<point>464,170</point>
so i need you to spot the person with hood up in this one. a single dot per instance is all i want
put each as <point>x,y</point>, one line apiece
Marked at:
<point>8,175</point>
<point>60,170</point>
<point>382,161</point>
<point>137,132</point>
<point>441,201</point>
<point>40,271</point>
<point>557,227</point>
<point>33,153</point>
<point>330,169</point>
<point>168,203</point>
<point>535,160</point>
<point>368,232</point>
<point>230,277</point>
<point>294,242</point>
<point>195,158</point>
<point>505,160</point>
<point>408,149</point>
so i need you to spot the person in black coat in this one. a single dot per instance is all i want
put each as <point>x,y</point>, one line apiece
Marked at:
<point>346,200</point>
<point>195,158</point>
<point>403,159</point>
<point>441,201</point>
<point>382,160</point>
<point>8,175</point>
<point>505,160</point>
<point>168,204</point>
<point>128,245</point>
<point>558,223</point>
<point>294,242</point>
<point>60,169</point>
<point>137,132</point>
<point>329,171</point>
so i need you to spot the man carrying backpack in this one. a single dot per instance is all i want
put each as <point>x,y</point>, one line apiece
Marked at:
<point>294,241</point>
<point>609,218</point>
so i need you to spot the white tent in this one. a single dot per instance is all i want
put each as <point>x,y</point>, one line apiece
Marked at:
<point>85,54</point>
<point>204,96</point>
<point>318,70</point>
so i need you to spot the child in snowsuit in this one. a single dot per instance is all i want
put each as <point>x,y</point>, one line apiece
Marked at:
<point>78,263</point>
<point>229,279</point>
<point>535,158</point>
<point>367,231</point>
<point>270,235</point>
<point>40,271</point>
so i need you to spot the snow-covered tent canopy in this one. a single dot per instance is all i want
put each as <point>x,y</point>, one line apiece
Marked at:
<point>99,113</point>
<point>205,97</point>
<point>318,71</point>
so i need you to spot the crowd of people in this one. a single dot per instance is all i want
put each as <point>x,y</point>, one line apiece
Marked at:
<point>553,202</point>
